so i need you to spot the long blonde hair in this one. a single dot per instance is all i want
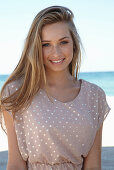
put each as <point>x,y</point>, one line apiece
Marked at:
<point>30,67</point>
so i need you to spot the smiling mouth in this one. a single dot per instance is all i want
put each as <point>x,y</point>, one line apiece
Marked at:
<point>57,61</point>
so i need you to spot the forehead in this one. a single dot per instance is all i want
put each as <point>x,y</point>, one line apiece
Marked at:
<point>55,31</point>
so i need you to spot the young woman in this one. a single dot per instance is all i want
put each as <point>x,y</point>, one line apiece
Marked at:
<point>53,120</point>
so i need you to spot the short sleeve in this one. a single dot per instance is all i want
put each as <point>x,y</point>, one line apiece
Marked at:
<point>103,107</point>
<point>5,93</point>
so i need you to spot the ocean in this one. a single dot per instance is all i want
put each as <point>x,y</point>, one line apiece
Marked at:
<point>103,79</point>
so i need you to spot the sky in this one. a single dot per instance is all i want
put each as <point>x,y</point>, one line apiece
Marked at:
<point>94,20</point>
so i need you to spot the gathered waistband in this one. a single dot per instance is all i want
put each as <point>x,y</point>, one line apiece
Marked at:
<point>56,166</point>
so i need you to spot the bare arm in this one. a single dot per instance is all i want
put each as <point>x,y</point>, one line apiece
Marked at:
<point>15,160</point>
<point>93,159</point>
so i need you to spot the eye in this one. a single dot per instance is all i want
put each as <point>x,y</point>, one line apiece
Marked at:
<point>64,42</point>
<point>46,45</point>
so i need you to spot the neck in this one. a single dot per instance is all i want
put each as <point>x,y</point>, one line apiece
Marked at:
<point>58,79</point>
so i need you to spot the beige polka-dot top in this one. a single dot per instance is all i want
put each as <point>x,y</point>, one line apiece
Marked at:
<point>57,136</point>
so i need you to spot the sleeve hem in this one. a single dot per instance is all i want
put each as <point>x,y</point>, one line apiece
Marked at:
<point>104,117</point>
<point>2,121</point>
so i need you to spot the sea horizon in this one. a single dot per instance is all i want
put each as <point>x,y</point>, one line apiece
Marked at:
<point>79,72</point>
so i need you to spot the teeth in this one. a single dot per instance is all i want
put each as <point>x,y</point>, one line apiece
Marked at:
<point>57,61</point>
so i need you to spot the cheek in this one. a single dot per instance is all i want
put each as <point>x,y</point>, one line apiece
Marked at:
<point>45,53</point>
<point>44,56</point>
<point>69,51</point>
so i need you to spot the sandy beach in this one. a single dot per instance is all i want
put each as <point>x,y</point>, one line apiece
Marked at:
<point>108,137</point>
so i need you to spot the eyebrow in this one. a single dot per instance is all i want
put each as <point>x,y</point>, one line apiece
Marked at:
<point>59,39</point>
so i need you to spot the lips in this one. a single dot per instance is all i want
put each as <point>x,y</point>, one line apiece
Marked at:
<point>57,61</point>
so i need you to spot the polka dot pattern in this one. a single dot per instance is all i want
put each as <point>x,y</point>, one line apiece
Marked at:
<point>56,135</point>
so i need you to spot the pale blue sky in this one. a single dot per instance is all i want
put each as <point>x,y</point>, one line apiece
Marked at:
<point>94,20</point>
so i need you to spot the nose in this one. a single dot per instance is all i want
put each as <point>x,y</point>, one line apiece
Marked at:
<point>56,51</point>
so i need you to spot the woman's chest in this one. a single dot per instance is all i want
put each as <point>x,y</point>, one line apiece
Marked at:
<point>65,120</point>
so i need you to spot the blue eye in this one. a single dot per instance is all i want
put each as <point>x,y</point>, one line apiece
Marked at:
<point>45,45</point>
<point>64,42</point>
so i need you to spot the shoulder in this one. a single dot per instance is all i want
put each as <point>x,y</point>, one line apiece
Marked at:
<point>10,88</point>
<point>96,99</point>
<point>92,88</point>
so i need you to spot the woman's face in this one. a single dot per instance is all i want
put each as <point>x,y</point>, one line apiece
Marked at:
<point>57,45</point>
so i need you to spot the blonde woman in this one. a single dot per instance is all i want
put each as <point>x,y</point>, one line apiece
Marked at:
<point>53,120</point>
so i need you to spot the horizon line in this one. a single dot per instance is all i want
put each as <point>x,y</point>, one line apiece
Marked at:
<point>78,72</point>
